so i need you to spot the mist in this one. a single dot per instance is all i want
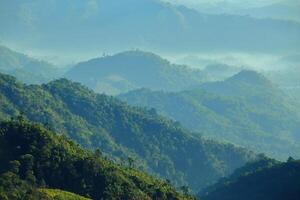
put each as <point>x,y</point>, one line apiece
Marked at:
<point>150,99</point>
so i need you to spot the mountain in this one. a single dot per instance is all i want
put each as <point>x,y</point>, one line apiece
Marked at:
<point>270,182</point>
<point>33,157</point>
<point>287,78</point>
<point>287,10</point>
<point>131,70</point>
<point>275,9</point>
<point>109,26</point>
<point>246,109</point>
<point>219,71</point>
<point>27,69</point>
<point>155,144</point>
<point>239,84</point>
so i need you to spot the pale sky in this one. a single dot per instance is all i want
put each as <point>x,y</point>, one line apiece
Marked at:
<point>241,3</point>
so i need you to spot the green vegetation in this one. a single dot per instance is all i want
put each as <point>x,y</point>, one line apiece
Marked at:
<point>265,180</point>
<point>12,187</point>
<point>33,157</point>
<point>246,109</point>
<point>26,69</point>
<point>61,195</point>
<point>131,70</point>
<point>153,143</point>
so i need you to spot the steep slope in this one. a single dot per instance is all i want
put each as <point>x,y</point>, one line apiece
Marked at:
<point>26,69</point>
<point>133,69</point>
<point>37,157</point>
<point>148,24</point>
<point>269,182</point>
<point>246,109</point>
<point>157,144</point>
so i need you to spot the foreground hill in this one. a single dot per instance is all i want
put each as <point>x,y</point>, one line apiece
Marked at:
<point>61,195</point>
<point>26,69</point>
<point>155,143</point>
<point>33,157</point>
<point>259,181</point>
<point>131,70</point>
<point>245,109</point>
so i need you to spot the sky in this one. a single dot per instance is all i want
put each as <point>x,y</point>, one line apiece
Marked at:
<point>239,2</point>
<point>242,3</point>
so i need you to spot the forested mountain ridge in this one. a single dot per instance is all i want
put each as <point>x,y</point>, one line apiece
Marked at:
<point>157,144</point>
<point>25,68</point>
<point>33,157</point>
<point>264,181</point>
<point>247,83</point>
<point>246,109</point>
<point>131,70</point>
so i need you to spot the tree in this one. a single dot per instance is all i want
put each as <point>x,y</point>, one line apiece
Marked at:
<point>290,159</point>
<point>14,166</point>
<point>27,168</point>
<point>21,117</point>
<point>98,152</point>
<point>185,190</point>
<point>130,162</point>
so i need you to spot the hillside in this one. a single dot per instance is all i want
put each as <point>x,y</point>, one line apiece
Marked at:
<point>61,195</point>
<point>131,70</point>
<point>26,69</point>
<point>246,109</point>
<point>156,144</point>
<point>33,157</point>
<point>270,182</point>
<point>247,83</point>
<point>83,26</point>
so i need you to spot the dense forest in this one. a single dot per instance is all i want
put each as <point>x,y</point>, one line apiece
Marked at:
<point>156,144</point>
<point>149,100</point>
<point>33,157</point>
<point>263,180</point>
<point>246,109</point>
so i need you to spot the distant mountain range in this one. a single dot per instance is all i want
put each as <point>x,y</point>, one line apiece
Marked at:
<point>278,9</point>
<point>288,77</point>
<point>134,69</point>
<point>286,9</point>
<point>93,26</point>
<point>25,68</point>
<point>246,109</point>
<point>156,144</point>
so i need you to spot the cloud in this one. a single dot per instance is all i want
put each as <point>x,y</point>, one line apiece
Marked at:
<point>91,8</point>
